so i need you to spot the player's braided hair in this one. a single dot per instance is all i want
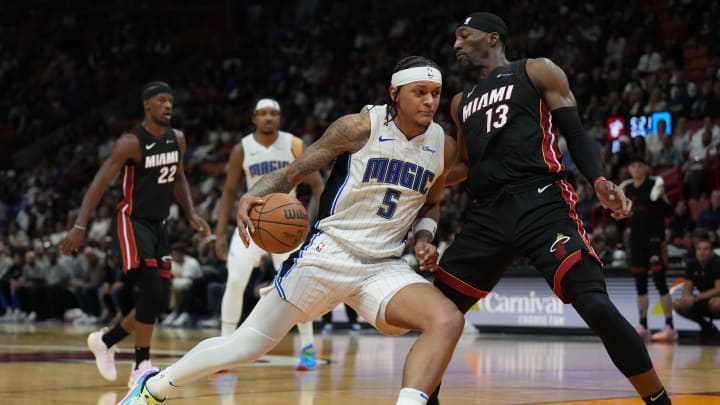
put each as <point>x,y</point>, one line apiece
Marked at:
<point>405,63</point>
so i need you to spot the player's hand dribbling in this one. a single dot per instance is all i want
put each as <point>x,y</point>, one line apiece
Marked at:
<point>72,241</point>
<point>427,256</point>
<point>613,198</point>
<point>242,218</point>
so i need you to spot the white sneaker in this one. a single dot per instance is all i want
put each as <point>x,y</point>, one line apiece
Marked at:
<point>169,319</point>
<point>137,372</point>
<point>211,323</point>
<point>182,320</point>
<point>104,356</point>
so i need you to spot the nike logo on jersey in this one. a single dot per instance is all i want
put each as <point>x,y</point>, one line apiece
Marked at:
<point>504,74</point>
<point>148,147</point>
<point>471,92</point>
<point>541,189</point>
<point>169,141</point>
<point>381,139</point>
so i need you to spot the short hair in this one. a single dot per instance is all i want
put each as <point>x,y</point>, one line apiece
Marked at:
<point>405,63</point>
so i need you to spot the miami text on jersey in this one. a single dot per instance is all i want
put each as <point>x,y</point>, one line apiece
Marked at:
<point>487,99</point>
<point>396,171</point>
<point>263,168</point>
<point>162,159</point>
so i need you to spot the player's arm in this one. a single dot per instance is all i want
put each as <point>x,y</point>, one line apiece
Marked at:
<point>182,191</point>
<point>127,147</point>
<point>459,171</point>
<point>425,225</point>
<point>346,135</point>
<point>314,180</point>
<point>552,83</point>
<point>234,176</point>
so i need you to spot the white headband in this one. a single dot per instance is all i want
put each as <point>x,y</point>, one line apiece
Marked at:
<point>416,74</point>
<point>267,103</point>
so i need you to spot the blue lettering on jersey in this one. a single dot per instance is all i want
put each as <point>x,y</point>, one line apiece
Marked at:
<point>406,174</point>
<point>265,167</point>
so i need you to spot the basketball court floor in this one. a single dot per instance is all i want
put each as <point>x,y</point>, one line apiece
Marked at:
<point>45,364</point>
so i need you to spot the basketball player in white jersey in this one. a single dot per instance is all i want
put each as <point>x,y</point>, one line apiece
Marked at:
<point>265,150</point>
<point>390,167</point>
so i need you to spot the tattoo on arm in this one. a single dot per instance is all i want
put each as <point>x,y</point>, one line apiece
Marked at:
<point>274,182</point>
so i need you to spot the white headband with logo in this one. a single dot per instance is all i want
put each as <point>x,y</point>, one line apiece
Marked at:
<point>416,74</point>
<point>267,103</point>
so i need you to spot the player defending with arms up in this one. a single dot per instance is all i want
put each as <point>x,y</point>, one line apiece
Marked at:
<point>390,168</point>
<point>522,205</point>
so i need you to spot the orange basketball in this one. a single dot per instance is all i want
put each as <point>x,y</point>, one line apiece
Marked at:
<point>280,224</point>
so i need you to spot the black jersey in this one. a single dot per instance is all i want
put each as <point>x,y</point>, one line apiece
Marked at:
<point>648,217</point>
<point>703,277</point>
<point>509,131</point>
<point>149,185</point>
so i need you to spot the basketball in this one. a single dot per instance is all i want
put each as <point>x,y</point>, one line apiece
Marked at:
<point>280,224</point>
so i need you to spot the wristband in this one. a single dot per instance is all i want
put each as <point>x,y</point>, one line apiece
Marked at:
<point>80,227</point>
<point>424,224</point>
<point>598,181</point>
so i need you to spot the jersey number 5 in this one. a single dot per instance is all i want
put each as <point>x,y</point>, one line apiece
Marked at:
<point>389,204</point>
<point>167,174</point>
<point>500,115</point>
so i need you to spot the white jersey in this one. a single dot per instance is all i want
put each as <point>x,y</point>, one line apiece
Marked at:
<point>259,160</point>
<point>373,196</point>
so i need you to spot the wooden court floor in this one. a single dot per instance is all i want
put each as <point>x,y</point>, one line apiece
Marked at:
<point>51,365</point>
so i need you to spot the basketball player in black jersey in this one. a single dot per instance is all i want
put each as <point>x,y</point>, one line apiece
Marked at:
<point>648,252</point>
<point>508,123</point>
<point>149,160</point>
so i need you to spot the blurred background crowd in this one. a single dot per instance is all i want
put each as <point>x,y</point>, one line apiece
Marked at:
<point>71,86</point>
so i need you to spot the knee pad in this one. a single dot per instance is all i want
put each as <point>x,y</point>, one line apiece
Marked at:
<point>660,282</point>
<point>623,344</point>
<point>641,280</point>
<point>151,293</point>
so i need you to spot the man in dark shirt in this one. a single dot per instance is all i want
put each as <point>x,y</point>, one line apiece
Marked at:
<point>700,300</point>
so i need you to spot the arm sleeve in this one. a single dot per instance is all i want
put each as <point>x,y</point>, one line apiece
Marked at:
<point>583,150</point>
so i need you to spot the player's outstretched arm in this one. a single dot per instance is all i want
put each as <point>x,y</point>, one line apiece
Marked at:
<point>126,148</point>
<point>346,135</point>
<point>552,83</point>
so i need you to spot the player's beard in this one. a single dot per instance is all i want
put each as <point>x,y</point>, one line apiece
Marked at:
<point>160,121</point>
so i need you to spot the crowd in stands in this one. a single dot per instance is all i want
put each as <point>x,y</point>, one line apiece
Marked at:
<point>72,86</point>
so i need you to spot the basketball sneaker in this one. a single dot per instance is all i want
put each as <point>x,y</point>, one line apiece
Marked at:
<point>667,334</point>
<point>139,394</point>
<point>137,372</point>
<point>308,359</point>
<point>104,356</point>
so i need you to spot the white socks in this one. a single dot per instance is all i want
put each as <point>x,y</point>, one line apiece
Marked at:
<point>411,396</point>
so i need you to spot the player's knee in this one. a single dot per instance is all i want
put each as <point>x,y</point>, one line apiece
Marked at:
<point>660,282</point>
<point>714,306</point>
<point>641,284</point>
<point>446,318</point>
<point>596,309</point>
<point>681,307</point>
